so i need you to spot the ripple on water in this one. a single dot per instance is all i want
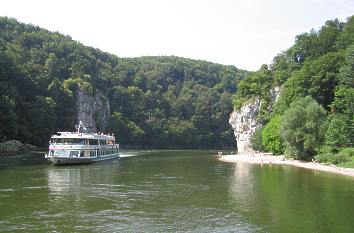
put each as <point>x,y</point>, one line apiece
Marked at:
<point>165,193</point>
<point>7,190</point>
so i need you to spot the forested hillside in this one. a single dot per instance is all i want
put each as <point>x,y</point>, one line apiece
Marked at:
<point>314,113</point>
<point>154,101</point>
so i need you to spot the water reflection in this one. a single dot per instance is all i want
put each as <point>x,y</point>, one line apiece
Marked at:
<point>173,192</point>
<point>60,181</point>
<point>70,180</point>
<point>241,184</point>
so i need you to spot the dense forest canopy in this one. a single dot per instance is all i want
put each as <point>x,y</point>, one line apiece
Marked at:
<point>318,68</point>
<point>154,101</point>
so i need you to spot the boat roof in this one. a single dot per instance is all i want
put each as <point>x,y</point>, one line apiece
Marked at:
<point>83,135</point>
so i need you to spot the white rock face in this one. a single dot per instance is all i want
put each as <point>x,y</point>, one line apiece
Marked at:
<point>92,110</point>
<point>244,123</point>
<point>274,95</point>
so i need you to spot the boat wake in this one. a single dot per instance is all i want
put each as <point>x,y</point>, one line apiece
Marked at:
<point>124,155</point>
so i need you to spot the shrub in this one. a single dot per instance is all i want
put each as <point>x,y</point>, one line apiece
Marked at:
<point>256,140</point>
<point>326,150</point>
<point>348,151</point>
<point>324,158</point>
<point>340,158</point>
<point>302,128</point>
<point>349,164</point>
<point>271,139</point>
<point>330,158</point>
<point>238,102</point>
<point>338,134</point>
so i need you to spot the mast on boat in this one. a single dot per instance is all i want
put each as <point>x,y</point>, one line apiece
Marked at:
<point>81,124</point>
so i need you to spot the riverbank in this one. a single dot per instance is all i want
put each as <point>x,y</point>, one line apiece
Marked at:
<point>14,147</point>
<point>271,159</point>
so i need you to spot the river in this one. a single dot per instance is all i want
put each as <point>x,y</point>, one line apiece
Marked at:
<point>171,191</point>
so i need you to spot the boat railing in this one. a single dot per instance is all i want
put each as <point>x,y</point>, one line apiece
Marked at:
<point>84,134</point>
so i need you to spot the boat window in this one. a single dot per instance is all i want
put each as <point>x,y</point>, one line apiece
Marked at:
<point>70,141</point>
<point>102,142</point>
<point>93,142</point>
<point>60,153</point>
<point>74,153</point>
<point>92,153</point>
<point>83,141</point>
<point>110,142</point>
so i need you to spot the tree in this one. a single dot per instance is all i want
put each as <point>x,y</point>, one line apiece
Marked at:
<point>271,139</point>
<point>8,93</point>
<point>346,38</point>
<point>344,93</point>
<point>41,118</point>
<point>338,134</point>
<point>155,101</point>
<point>126,130</point>
<point>8,118</point>
<point>256,140</point>
<point>302,128</point>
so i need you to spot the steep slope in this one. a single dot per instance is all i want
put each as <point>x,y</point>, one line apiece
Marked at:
<point>47,81</point>
<point>320,64</point>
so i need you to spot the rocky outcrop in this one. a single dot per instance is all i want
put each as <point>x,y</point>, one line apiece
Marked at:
<point>275,92</point>
<point>244,121</point>
<point>274,95</point>
<point>15,147</point>
<point>92,110</point>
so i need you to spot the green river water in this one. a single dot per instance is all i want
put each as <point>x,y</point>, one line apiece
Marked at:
<point>171,191</point>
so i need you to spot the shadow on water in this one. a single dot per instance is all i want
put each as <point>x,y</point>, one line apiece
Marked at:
<point>27,159</point>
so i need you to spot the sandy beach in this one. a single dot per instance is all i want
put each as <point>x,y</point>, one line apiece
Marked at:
<point>271,159</point>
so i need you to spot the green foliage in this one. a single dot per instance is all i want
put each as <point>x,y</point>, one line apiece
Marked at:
<point>238,102</point>
<point>8,118</point>
<point>121,125</point>
<point>349,164</point>
<point>256,140</point>
<point>348,151</point>
<point>320,64</point>
<point>346,38</point>
<point>332,158</point>
<point>324,158</point>
<point>172,101</point>
<point>154,101</point>
<point>318,78</point>
<point>338,134</point>
<point>271,139</point>
<point>344,158</point>
<point>256,84</point>
<point>302,128</point>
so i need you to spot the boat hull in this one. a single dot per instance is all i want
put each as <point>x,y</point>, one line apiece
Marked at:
<point>56,160</point>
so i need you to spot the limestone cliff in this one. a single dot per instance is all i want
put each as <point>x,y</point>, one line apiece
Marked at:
<point>244,121</point>
<point>93,110</point>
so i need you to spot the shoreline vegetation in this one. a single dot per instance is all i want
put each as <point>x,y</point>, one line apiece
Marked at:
<point>279,159</point>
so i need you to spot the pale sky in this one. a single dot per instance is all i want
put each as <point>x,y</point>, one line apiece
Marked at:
<point>244,33</point>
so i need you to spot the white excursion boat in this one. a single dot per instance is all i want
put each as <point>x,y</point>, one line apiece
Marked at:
<point>77,147</point>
